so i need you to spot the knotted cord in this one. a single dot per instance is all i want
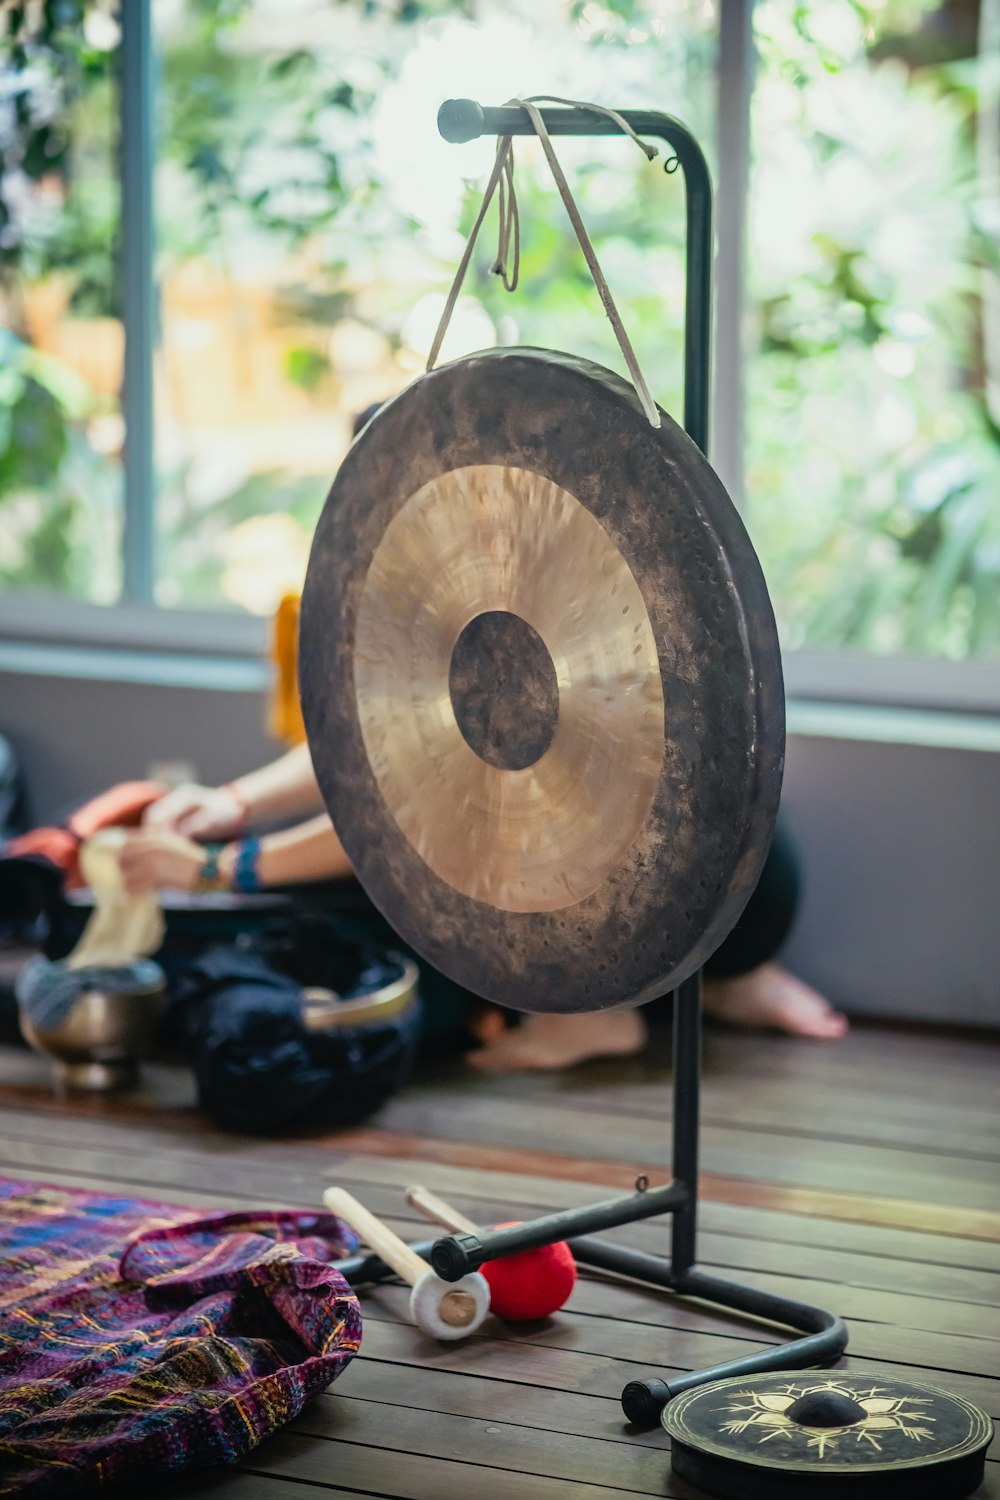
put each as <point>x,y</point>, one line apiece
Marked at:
<point>507,262</point>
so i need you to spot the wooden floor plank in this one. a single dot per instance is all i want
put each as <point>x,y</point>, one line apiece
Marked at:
<point>885,1171</point>
<point>237,1484</point>
<point>417,1476</point>
<point>465,1395</point>
<point>490,1439</point>
<point>652,1341</point>
<point>810,1112</point>
<point>594,1374</point>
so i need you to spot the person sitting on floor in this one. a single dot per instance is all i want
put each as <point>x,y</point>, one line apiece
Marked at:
<point>744,986</point>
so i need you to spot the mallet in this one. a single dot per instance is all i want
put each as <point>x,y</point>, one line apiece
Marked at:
<point>528,1285</point>
<point>438,1211</point>
<point>444,1310</point>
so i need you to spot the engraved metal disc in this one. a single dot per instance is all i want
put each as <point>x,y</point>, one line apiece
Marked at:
<point>541,684</point>
<point>827,1435</point>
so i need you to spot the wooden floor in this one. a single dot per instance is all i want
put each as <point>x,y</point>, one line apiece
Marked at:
<point>863,1177</point>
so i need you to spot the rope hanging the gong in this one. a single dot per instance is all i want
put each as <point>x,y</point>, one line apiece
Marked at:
<point>502,180</point>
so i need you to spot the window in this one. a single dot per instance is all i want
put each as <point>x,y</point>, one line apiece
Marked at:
<point>872,460</point>
<point>308,220</point>
<point>61,338</point>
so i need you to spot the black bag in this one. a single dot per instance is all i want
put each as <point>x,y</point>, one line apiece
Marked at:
<point>239,1012</point>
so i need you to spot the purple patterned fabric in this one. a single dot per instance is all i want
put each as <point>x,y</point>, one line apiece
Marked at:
<point>135,1337</point>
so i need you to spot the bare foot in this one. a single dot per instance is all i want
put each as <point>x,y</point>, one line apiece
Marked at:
<point>546,1043</point>
<point>769,998</point>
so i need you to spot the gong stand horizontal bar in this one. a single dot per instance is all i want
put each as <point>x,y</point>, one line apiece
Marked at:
<point>824,1336</point>
<point>461,120</point>
<point>457,1256</point>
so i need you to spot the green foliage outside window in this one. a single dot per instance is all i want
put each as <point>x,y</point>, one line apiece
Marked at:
<point>872,458</point>
<point>60,486</point>
<point>873,462</point>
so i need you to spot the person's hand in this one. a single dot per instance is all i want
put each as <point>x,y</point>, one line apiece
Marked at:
<point>198,812</point>
<point>153,859</point>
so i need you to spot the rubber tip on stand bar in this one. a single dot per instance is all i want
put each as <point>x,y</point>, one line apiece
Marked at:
<point>461,120</point>
<point>450,1258</point>
<point>643,1400</point>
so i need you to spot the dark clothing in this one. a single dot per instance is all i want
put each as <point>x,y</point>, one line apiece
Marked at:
<point>768,916</point>
<point>238,1013</point>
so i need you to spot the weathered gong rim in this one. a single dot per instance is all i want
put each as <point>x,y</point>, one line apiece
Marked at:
<point>541,684</point>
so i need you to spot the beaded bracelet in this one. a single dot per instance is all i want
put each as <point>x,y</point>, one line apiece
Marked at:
<point>246,876</point>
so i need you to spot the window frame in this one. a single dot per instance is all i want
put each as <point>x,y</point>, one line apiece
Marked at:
<point>136,157</point>
<point>138,623</point>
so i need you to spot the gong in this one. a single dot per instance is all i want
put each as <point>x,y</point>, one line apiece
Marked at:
<point>762,1437</point>
<point>541,683</point>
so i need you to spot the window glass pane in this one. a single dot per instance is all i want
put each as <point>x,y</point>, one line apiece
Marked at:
<point>310,219</point>
<point>61,337</point>
<point>873,393</point>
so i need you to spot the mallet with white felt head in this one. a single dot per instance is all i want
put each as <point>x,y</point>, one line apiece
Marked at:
<point>442,1309</point>
<point>525,1285</point>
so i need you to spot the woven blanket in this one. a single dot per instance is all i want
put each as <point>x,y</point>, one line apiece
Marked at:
<point>137,1337</point>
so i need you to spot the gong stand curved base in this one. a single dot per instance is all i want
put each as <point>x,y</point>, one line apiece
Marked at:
<point>824,1334</point>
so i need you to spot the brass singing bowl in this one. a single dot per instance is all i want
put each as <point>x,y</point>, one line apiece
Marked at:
<point>324,1010</point>
<point>98,1044</point>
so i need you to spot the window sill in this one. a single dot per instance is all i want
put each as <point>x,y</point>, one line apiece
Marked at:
<point>38,619</point>
<point>178,669</point>
<point>808,715</point>
<point>904,681</point>
<point>852,678</point>
<point>878,724</point>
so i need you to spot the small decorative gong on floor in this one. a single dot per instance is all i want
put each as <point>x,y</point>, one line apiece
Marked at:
<point>764,1437</point>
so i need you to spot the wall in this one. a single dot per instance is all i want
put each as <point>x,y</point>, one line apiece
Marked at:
<point>74,736</point>
<point>902,865</point>
<point>899,840</point>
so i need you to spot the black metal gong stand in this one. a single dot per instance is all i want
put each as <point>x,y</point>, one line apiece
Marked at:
<point>824,1334</point>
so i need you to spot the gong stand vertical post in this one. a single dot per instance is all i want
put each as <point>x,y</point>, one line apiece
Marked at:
<point>824,1334</point>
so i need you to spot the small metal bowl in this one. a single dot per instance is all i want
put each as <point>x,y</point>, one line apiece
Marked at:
<point>323,1010</point>
<point>97,1046</point>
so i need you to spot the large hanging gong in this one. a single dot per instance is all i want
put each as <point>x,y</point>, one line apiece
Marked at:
<point>541,683</point>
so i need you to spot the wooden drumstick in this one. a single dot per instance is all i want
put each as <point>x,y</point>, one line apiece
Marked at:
<point>442,1309</point>
<point>438,1211</point>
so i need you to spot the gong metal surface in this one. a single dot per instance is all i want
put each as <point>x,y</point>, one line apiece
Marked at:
<point>541,684</point>
<point>761,1436</point>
